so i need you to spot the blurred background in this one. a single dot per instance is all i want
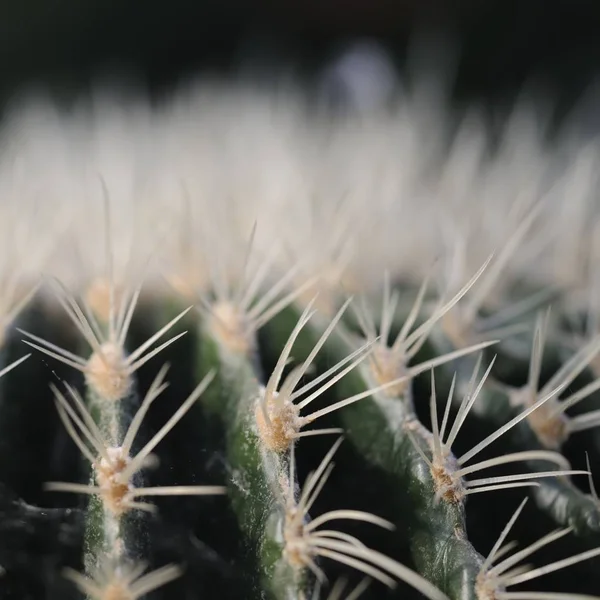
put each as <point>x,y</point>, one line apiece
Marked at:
<point>498,46</point>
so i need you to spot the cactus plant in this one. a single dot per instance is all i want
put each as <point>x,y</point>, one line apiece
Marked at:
<point>191,339</point>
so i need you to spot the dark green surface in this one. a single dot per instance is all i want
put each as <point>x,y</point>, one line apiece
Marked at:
<point>254,472</point>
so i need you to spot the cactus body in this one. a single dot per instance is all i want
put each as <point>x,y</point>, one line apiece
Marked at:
<point>209,414</point>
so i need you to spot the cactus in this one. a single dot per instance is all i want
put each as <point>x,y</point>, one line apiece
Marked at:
<point>214,327</point>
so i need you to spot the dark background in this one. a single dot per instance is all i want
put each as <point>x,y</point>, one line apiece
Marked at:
<point>503,43</point>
